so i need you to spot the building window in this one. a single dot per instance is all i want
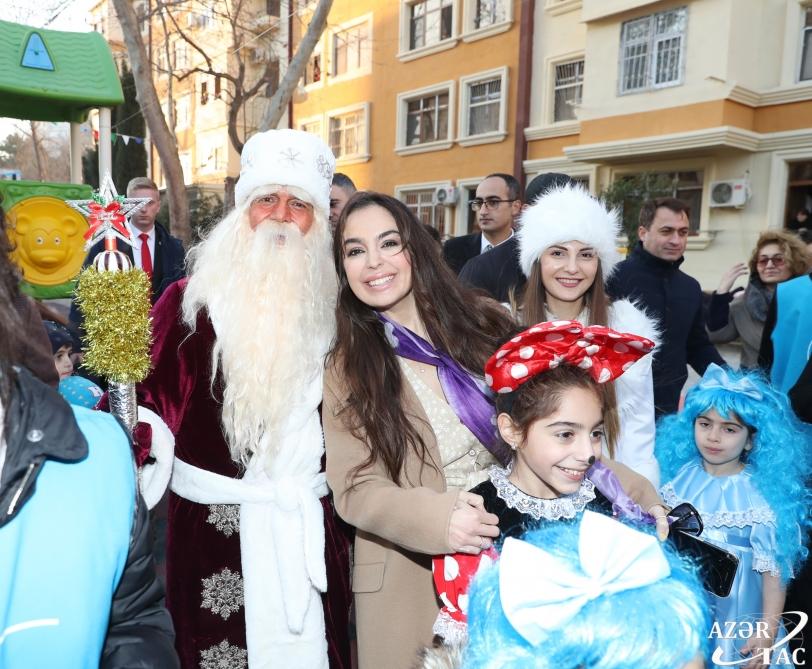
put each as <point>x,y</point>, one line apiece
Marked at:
<point>421,203</point>
<point>806,41</point>
<point>272,7</point>
<point>348,132</point>
<point>204,92</point>
<point>569,88</point>
<point>182,112</point>
<point>685,186</point>
<point>427,119</point>
<point>652,51</point>
<point>313,126</point>
<point>484,101</point>
<point>489,12</point>
<point>312,73</point>
<point>430,21</point>
<point>351,49</point>
<point>271,78</point>
<point>181,56</point>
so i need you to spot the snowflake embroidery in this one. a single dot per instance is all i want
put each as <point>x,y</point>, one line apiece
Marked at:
<point>290,156</point>
<point>224,656</point>
<point>323,167</point>
<point>225,518</point>
<point>222,593</point>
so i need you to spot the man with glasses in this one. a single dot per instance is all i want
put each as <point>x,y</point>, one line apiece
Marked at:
<point>651,277</point>
<point>498,272</point>
<point>497,204</point>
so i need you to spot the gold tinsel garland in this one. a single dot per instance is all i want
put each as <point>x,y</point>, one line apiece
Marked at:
<point>115,306</point>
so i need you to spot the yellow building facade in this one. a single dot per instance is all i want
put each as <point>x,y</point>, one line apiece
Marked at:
<point>715,95</point>
<point>417,98</point>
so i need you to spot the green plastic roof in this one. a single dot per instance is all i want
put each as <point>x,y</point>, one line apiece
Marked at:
<point>51,75</point>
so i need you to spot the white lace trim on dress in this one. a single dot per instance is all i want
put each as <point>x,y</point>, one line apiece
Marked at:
<point>549,509</point>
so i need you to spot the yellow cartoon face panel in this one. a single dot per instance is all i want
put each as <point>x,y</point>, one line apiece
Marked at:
<point>48,236</point>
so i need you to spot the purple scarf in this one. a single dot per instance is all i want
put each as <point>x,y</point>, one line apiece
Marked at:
<point>624,506</point>
<point>466,396</point>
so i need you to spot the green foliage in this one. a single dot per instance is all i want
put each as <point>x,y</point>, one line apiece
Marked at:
<point>129,160</point>
<point>205,209</point>
<point>628,193</point>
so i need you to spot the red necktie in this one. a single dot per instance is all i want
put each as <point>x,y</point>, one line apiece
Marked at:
<point>146,258</point>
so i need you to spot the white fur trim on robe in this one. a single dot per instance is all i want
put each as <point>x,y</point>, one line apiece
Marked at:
<point>281,539</point>
<point>635,395</point>
<point>154,477</point>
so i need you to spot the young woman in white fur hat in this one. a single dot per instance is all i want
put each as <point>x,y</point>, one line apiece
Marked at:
<point>568,249</point>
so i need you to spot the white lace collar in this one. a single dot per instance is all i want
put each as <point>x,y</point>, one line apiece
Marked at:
<point>549,509</point>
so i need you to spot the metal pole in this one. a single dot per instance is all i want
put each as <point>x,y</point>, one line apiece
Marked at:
<point>75,153</point>
<point>105,147</point>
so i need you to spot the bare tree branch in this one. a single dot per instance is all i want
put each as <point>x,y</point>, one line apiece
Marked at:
<point>162,138</point>
<point>296,67</point>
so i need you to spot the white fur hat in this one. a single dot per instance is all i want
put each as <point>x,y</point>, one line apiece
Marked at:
<point>565,214</point>
<point>287,158</point>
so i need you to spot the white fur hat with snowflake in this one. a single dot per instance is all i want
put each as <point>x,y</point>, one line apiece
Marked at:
<point>566,214</point>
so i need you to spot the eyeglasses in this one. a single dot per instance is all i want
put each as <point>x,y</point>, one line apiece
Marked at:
<point>777,261</point>
<point>488,203</point>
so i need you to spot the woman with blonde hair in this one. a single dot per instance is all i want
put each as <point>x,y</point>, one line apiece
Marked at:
<point>777,257</point>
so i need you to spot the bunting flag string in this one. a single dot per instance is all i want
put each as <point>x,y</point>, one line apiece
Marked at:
<point>116,135</point>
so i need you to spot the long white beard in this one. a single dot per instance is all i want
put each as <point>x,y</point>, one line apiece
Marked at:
<point>272,307</point>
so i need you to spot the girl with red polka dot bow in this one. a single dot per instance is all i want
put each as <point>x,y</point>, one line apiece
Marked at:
<point>551,401</point>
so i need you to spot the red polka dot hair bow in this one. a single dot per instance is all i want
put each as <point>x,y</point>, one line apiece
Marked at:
<point>601,350</point>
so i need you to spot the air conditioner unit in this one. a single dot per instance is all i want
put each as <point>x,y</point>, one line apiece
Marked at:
<point>729,193</point>
<point>445,195</point>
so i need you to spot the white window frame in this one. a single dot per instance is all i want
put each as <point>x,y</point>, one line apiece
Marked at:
<point>406,53</point>
<point>309,120</point>
<point>365,68</point>
<point>470,33</point>
<point>462,208</point>
<point>362,156</point>
<point>805,7</point>
<point>318,50</point>
<point>403,100</point>
<point>704,235</point>
<point>650,63</point>
<point>185,158</point>
<point>208,164</point>
<point>183,107</point>
<point>552,74</point>
<point>466,82</point>
<point>402,189</point>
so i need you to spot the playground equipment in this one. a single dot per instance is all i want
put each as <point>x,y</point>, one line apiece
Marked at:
<point>50,75</point>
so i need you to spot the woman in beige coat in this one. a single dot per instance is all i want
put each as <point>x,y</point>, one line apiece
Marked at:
<point>407,425</point>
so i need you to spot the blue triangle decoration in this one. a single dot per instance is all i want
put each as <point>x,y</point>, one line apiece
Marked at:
<point>36,55</point>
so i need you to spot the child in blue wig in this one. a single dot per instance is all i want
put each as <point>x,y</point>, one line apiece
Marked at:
<point>594,594</point>
<point>741,457</point>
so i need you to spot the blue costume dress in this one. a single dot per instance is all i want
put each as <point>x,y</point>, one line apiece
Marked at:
<point>738,519</point>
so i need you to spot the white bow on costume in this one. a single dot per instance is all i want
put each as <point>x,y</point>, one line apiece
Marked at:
<point>541,592</point>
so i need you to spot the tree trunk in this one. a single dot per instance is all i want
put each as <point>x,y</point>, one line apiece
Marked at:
<point>162,137</point>
<point>36,144</point>
<point>296,67</point>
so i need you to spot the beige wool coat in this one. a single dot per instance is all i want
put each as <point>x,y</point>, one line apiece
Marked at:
<point>399,528</point>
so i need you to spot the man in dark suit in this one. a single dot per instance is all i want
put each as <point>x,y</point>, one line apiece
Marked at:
<point>497,204</point>
<point>498,272</point>
<point>154,250</point>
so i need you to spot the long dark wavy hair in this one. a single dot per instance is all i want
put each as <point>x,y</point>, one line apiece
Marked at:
<point>458,321</point>
<point>9,318</point>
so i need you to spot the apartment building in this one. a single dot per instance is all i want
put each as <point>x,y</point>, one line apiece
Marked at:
<point>714,96</point>
<point>197,104</point>
<point>417,98</point>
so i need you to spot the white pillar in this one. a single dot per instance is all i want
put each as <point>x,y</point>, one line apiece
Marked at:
<point>105,147</point>
<point>75,153</point>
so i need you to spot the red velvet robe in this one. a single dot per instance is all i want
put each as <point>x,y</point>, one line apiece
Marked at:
<point>204,577</point>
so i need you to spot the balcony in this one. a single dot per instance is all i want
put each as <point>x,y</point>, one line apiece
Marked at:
<point>594,10</point>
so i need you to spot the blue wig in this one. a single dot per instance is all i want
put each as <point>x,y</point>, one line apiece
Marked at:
<point>778,463</point>
<point>663,625</point>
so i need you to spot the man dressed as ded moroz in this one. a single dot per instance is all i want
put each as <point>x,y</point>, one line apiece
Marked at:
<point>237,377</point>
